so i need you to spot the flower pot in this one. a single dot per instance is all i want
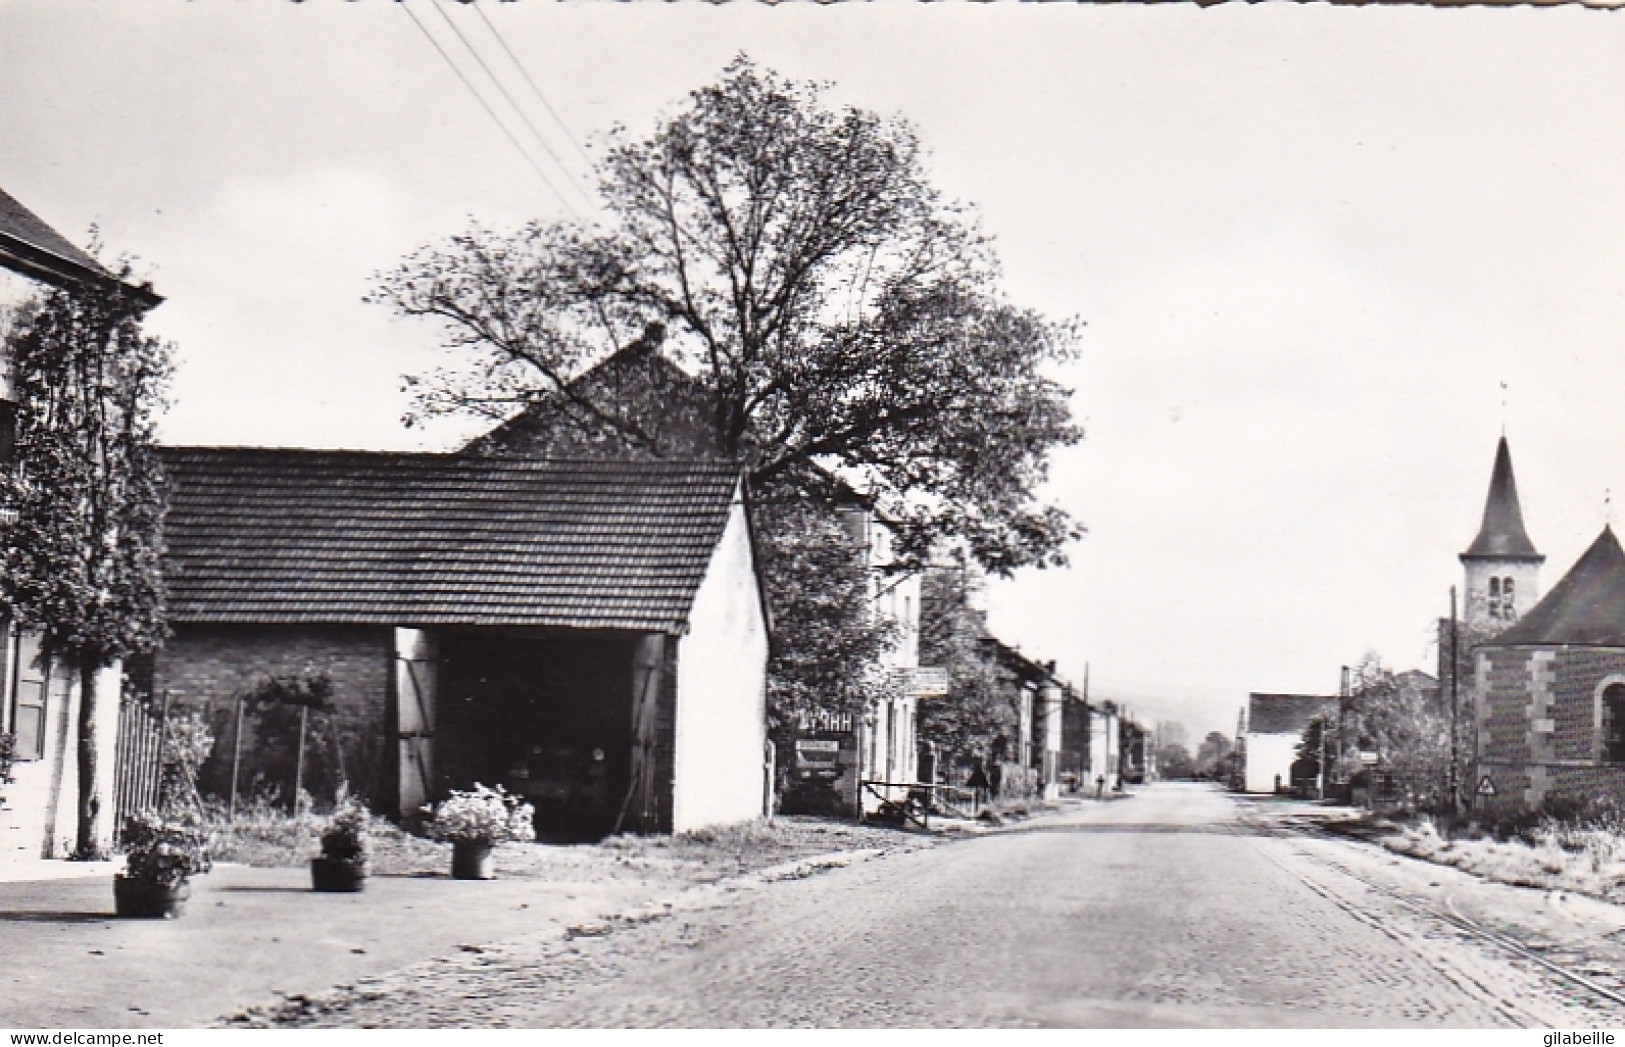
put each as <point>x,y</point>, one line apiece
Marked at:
<point>337,874</point>
<point>140,899</point>
<point>471,861</point>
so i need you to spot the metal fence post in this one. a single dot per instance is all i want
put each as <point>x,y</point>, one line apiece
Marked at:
<point>236,759</point>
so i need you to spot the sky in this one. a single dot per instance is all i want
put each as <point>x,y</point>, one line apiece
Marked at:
<point>1324,256</point>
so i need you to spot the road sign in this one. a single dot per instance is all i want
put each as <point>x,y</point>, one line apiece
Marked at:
<point>1485,786</point>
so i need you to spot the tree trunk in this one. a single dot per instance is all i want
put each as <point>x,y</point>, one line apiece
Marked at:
<point>90,800</point>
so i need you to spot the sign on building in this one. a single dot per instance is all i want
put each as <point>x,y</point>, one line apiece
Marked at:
<point>822,769</point>
<point>926,682</point>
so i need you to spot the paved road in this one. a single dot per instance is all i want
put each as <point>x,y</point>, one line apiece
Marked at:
<point>1181,906</point>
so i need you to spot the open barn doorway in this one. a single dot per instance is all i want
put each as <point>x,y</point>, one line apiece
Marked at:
<point>548,715</point>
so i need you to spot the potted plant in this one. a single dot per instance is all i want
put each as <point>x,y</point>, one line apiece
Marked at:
<point>8,755</point>
<point>161,855</point>
<point>477,820</point>
<point>342,865</point>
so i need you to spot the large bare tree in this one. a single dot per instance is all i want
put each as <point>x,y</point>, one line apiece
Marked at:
<point>835,309</point>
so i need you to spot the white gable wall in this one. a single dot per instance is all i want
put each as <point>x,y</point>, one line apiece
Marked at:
<point>40,814</point>
<point>1269,755</point>
<point>721,723</point>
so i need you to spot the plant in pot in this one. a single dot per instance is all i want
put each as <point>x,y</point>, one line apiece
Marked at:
<point>161,856</point>
<point>8,755</point>
<point>477,820</point>
<point>342,865</point>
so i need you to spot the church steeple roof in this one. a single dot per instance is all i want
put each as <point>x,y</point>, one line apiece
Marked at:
<point>1502,536</point>
<point>1587,607</point>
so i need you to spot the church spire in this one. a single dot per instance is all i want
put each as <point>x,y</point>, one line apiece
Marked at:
<point>1503,568</point>
<point>1502,535</point>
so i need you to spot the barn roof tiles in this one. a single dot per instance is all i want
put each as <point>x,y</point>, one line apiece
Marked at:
<point>350,537</point>
<point>1284,713</point>
<point>1586,608</point>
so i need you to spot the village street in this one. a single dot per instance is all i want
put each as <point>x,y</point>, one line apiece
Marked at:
<point>1180,905</point>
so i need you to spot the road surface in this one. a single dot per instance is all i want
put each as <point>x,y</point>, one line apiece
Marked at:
<point>1180,906</point>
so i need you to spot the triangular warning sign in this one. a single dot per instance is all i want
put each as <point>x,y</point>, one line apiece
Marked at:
<point>1485,786</point>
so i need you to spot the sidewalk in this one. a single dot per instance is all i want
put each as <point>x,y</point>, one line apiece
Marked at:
<point>25,871</point>
<point>249,934</point>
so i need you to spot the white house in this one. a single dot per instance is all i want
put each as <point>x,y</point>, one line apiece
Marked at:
<point>39,704</point>
<point>1275,724</point>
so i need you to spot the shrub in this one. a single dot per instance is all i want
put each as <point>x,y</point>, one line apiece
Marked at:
<point>345,839</point>
<point>162,851</point>
<point>8,754</point>
<point>482,815</point>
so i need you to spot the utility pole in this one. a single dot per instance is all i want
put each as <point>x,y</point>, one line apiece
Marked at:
<point>1455,671</point>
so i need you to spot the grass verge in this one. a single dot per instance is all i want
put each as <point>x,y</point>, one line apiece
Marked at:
<point>268,837</point>
<point>1552,855</point>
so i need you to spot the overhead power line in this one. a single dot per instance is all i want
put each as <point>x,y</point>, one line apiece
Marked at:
<point>540,138</point>
<point>534,166</point>
<point>517,64</point>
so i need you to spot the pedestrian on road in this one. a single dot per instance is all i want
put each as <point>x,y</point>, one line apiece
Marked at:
<point>1100,786</point>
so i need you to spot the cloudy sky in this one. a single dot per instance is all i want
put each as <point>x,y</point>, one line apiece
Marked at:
<point>1310,246</point>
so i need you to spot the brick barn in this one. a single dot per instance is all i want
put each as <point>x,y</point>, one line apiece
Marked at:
<point>1549,691</point>
<point>590,634</point>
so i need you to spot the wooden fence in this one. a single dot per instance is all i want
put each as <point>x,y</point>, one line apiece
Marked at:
<point>139,765</point>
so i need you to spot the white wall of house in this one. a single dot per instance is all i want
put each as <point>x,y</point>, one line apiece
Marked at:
<point>1048,733</point>
<point>721,723</point>
<point>14,290</point>
<point>39,818</point>
<point>1105,749</point>
<point>1269,755</point>
<point>889,745</point>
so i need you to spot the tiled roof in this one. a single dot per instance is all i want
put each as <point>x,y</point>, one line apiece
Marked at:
<point>32,248</point>
<point>1501,536</point>
<point>272,535</point>
<point>634,391</point>
<point>20,223</point>
<point>1587,607</point>
<point>1285,713</point>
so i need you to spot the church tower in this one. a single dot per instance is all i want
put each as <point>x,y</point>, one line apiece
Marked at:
<point>1503,568</point>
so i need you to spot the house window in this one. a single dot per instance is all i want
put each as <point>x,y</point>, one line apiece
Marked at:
<point>31,691</point>
<point>1495,598</point>
<point>1508,606</point>
<point>1613,723</point>
<point>8,431</point>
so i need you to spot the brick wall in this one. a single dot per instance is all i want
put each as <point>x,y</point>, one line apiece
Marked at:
<point>1579,672</point>
<point>1503,700</point>
<point>1537,718</point>
<point>208,666</point>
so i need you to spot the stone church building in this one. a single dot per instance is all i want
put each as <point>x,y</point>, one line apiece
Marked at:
<point>1549,683</point>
